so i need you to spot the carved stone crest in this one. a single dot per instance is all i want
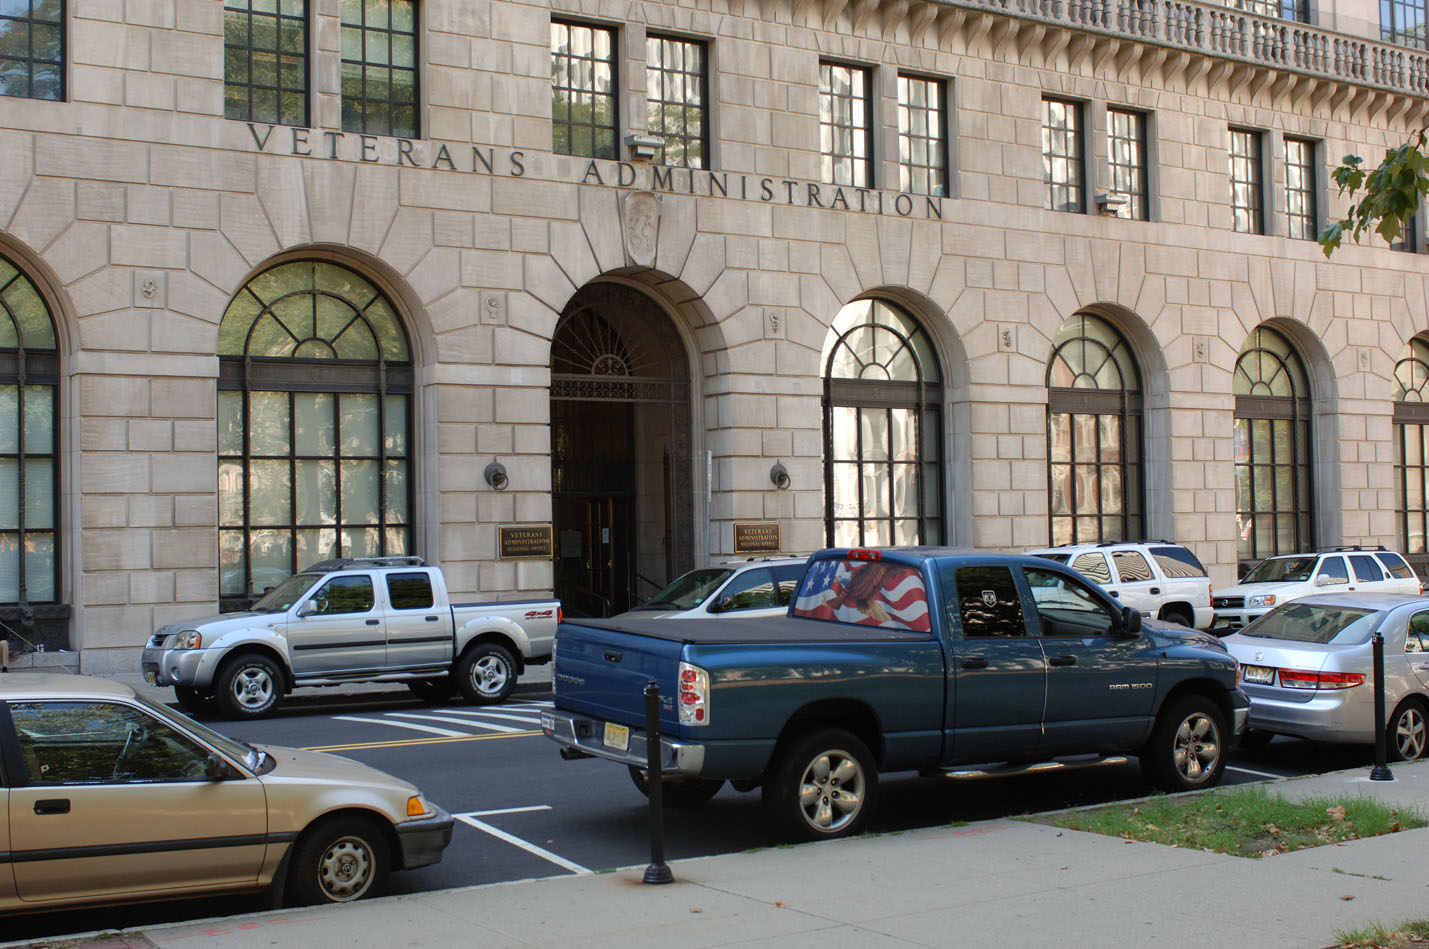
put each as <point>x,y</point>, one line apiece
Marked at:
<point>642,227</point>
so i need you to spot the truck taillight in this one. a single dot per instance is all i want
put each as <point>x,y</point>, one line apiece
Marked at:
<point>560,615</point>
<point>694,698</point>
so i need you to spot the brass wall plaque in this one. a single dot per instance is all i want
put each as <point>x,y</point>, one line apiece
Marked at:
<point>760,538</point>
<point>526,542</point>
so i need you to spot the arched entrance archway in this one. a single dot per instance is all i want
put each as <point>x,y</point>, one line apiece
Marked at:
<point>620,451</point>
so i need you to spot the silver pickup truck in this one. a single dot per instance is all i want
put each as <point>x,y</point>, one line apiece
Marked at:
<point>380,619</point>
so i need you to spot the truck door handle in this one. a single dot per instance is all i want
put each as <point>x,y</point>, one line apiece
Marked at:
<point>1061,660</point>
<point>612,656</point>
<point>431,619</point>
<point>374,622</point>
<point>974,662</point>
<point>52,805</point>
<point>1155,589</point>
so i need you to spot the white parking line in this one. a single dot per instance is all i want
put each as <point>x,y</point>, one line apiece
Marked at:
<point>1258,774</point>
<point>489,726</point>
<point>475,713</point>
<point>413,726</point>
<point>471,820</point>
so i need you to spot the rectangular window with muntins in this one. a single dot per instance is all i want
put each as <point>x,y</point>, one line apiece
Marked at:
<point>583,91</point>
<point>265,61</point>
<point>1126,161</point>
<point>379,67</point>
<point>922,136</point>
<point>676,90</point>
<point>32,49</point>
<point>844,120</point>
<point>1301,189</point>
<point>1247,182</point>
<point>1063,156</point>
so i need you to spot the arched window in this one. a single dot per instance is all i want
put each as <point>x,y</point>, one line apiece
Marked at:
<point>29,450</point>
<point>883,394</point>
<point>1411,451</point>
<point>314,411</point>
<point>1094,485</point>
<point>1272,449</point>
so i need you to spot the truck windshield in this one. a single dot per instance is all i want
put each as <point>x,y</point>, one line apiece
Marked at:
<point>689,591</point>
<point>1281,570</point>
<point>865,593</point>
<point>285,594</point>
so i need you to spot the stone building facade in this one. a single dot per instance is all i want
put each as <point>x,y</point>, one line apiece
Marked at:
<point>329,277</point>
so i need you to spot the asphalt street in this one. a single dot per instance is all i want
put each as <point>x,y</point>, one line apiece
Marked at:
<point>522,812</point>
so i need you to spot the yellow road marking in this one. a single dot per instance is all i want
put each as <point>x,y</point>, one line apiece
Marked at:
<point>404,742</point>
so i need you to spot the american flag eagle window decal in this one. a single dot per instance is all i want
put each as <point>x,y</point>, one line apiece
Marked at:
<point>871,593</point>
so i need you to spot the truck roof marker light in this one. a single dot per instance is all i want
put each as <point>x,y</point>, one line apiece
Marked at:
<point>864,554</point>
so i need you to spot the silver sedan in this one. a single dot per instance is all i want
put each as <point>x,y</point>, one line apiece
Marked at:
<point>1308,668</point>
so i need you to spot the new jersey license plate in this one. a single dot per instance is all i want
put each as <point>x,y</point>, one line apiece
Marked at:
<point>617,737</point>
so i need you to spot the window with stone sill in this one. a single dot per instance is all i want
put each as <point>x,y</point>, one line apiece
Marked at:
<point>29,443</point>
<point>676,84</point>
<point>1301,189</point>
<point>265,61</point>
<point>32,49</point>
<point>844,120</point>
<point>1272,449</point>
<point>583,91</point>
<point>1063,156</point>
<point>314,415</point>
<point>379,67</point>
<point>1126,161</point>
<point>1247,182</point>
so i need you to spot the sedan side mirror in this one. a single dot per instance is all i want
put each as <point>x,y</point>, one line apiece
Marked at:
<point>216,769</point>
<point>1130,621</point>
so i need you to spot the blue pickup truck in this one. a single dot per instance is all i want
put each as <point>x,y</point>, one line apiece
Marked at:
<point>903,659</point>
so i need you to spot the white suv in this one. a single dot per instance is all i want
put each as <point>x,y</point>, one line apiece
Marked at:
<point>1156,577</point>
<point>1276,580</point>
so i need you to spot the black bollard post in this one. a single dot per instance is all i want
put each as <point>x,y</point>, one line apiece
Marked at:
<point>1381,771</point>
<point>657,872</point>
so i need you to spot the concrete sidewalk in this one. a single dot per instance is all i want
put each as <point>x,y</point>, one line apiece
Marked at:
<point>991,883</point>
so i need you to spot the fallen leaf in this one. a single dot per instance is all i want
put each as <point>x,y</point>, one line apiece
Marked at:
<point>696,909</point>
<point>1347,897</point>
<point>778,904</point>
<point>1061,868</point>
<point>1394,828</point>
<point>1337,812</point>
<point>1271,829</point>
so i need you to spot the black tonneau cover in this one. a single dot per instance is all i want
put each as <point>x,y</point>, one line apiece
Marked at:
<point>778,629</point>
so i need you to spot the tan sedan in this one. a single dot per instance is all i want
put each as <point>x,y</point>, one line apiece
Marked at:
<point>113,799</point>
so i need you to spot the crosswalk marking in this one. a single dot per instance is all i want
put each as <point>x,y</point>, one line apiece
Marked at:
<point>470,819</point>
<point>412,725</point>
<point>526,719</point>
<point>489,726</point>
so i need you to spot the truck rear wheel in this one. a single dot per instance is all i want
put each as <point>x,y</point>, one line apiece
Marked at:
<point>679,793</point>
<point>486,674</point>
<point>821,786</point>
<point>1187,749</point>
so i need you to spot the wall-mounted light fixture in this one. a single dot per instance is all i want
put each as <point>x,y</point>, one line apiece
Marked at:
<point>643,147</point>
<point>495,475</point>
<point>779,475</point>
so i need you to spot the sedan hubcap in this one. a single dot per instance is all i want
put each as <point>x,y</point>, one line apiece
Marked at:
<point>1197,748</point>
<point>831,794</point>
<point>1410,734</point>
<point>346,869</point>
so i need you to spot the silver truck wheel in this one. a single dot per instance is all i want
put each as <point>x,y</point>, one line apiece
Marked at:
<point>248,687</point>
<point>1408,732</point>
<point>486,674</point>
<point>1187,749</point>
<point>822,786</point>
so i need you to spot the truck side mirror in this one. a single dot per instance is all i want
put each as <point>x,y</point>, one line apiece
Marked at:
<point>1130,621</point>
<point>1322,579</point>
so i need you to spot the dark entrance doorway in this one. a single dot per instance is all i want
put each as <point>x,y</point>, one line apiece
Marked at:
<point>620,451</point>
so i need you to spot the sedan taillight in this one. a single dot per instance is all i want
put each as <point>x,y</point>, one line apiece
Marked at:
<point>1302,679</point>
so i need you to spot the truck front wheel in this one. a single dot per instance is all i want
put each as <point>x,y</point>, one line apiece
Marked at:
<point>248,687</point>
<point>486,674</point>
<point>1187,749</point>
<point>821,786</point>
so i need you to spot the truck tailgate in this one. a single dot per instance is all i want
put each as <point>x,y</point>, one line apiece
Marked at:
<point>603,672</point>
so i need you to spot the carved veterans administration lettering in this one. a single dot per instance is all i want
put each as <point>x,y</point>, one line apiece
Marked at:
<point>486,160</point>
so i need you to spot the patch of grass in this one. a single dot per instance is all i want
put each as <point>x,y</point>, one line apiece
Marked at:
<point>1245,822</point>
<point>1351,873</point>
<point>1376,936</point>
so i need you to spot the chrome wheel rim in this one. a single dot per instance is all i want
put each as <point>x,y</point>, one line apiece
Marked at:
<point>831,792</point>
<point>1410,733</point>
<point>345,870</point>
<point>489,675</point>
<point>253,688</point>
<point>1196,749</point>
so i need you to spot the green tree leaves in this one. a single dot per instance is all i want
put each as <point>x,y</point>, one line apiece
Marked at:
<point>1389,195</point>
